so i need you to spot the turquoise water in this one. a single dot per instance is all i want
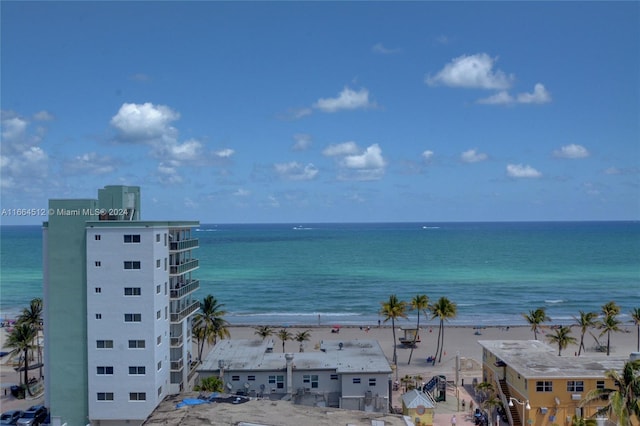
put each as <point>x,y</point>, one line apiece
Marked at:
<point>290,274</point>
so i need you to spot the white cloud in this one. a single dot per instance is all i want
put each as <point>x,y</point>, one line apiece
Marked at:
<point>345,148</point>
<point>189,150</point>
<point>295,113</point>
<point>43,116</point>
<point>472,156</point>
<point>145,122</point>
<point>427,155</point>
<point>168,173</point>
<point>571,151</point>
<point>224,153</point>
<point>474,71</point>
<point>501,98</point>
<point>89,163</point>
<point>380,48</point>
<point>240,192</point>
<point>347,99</point>
<point>371,158</point>
<point>302,142</point>
<point>522,171</point>
<point>540,95</point>
<point>296,171</point>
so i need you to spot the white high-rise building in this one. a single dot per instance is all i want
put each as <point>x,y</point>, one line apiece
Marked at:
<point>118,308</point>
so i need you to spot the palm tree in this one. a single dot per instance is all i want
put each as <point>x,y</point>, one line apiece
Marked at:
<point>535,319</point>
<point>581,421</point>
<point>586,321</point>
<point>420,303</point>
<point>622,401</point>
<point>392,310</point>
<point>284,335</point>
<point>485,390</point>
<point>635,318</point>
<point>607,325</point>
<point>21,341</point>
<point>301,337</point>
<point>562,338</point>
<point>33,316</point>
<point>443,309</point>
<point>263,331</point>
<point>609,321</point>
<point>210,320</point>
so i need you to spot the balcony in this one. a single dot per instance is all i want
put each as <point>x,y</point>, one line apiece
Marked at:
<point>179,316</point>
<point>183,245</point>
<point>185,267</point>
<point>177,365</point>
<point>176,342</point>
<point>185,289</point>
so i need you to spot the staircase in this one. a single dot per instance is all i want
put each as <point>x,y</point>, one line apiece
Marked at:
<point>515,413</point>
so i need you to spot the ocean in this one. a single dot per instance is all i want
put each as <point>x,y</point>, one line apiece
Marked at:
<point>286,274</point>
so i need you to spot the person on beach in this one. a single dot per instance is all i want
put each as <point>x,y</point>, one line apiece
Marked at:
<point>453,420</point>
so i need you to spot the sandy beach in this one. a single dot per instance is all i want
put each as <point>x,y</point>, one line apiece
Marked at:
<point>459,342</point>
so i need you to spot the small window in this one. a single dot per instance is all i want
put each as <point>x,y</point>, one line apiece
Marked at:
<point>165,239</point>
<point>165,288</point>
<point>104,344</point>
<point>277,380</point>
<point>158,263</point>
<point>165,263</point>
<point>104,370</point>
<point>98,264</point>
<point>132,291</point>
<point>131,264</point>
<point>159,340</point>
<point>159,365</point>
<point>235,378</point>
<point>98,316</point>
<point>137,396</point>
<point>356,380</point>
<point>132,238</point>
<point>160,388</point>
<point>137,344</point>
<point>157,238</point>
<point>98,289</point>
<point>166,312</point>
<point>251,378</point>
<point>372,381</point>
<point>600,384</point>
<point>132,317</point>
<point>105,396</point>
<point>334,377</point>
<point>575,386</point>
<point>97,237</point>
<point>158,288</point>
<point>314,381</point>
<point>159,314</point>
<point>544,386</point>
<point>137,370</point>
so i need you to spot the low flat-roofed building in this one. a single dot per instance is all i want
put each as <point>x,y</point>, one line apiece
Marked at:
<point>353,375</point>
<point>531,373</point>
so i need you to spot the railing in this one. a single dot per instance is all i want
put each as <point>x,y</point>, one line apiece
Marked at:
<point>179,316</point>
<point>177,365</point>
<point>184,267</point>
<point>176,341</point>
<point>185,289</point>
<point>184,244</point>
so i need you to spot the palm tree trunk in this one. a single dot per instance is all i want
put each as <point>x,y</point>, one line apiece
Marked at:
<point>415,337</point>
<point>26,371</point>
<point>608,341</point>
<point>438,342</point>
<point>581,344</point>
<point>393,329</point>
<point>441,339</point>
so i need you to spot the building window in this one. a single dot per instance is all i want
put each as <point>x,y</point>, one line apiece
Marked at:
<point>159,365</point>
<point>159,314</point>
<point>98,316</point>
<point>137,396</point>
<point>600,384</point>
<point>104,370</point>
<point>160,388</point>
<point>165,288</point>
<point>132,317</point>
<point>544,386</point>
<point>96,237</point>
<point>277,380</point>
<point>166,312</point>
<point>98,289</point>
<point>235,378</point>
<point>105,396</point>
<point>372,382</point>
<point>104,344</point>
<point>157,263</point>
<point>158,340</point>
<point>165,239</point>
<point>157,238</point>
<point>131,264</point>
<point>158,289</point>
<point>251,378</point>
<point>334,377</point>
<point>98,264</point>
<point>356,380</point>
<point>575,386</point>
<point>136,344</point>
<point>311,378</point>
<point>132,238</point>
<point>137,370</point>
<point>165,263</point>
<point>132,291</point>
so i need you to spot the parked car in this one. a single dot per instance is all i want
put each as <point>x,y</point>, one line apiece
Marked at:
<point>34,416</point>
<point>10,417</point>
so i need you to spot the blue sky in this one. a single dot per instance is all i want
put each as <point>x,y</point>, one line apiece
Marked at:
<point>325,112</point>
